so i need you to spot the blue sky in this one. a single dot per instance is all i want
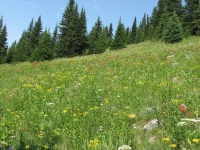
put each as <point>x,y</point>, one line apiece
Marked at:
<point>17,14</point>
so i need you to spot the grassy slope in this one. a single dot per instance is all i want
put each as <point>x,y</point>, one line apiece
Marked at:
<point>89,102</point>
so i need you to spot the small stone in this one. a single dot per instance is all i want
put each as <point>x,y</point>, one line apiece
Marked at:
<point>152,125</point>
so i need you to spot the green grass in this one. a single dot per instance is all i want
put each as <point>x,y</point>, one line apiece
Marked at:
<point>89,102</point>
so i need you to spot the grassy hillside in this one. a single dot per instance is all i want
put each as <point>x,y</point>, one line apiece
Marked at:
<point>100,101</point>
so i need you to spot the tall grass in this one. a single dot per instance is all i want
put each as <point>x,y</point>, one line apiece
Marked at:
<point>99,101</point>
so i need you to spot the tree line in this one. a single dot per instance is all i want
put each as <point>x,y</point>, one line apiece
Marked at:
<point>170,22</point>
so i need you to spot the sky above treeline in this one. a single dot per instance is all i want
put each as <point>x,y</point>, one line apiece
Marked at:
<point>17,14</point>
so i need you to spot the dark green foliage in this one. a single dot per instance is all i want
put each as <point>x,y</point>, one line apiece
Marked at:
<point>55,41</point>
<point>161,24</point>
<point>154,18</point>
<point>173,31</point>
<point>83,41</point>
<point>133,31</point>
<point>3,41</point>
<point>110,31</point>
<point>21,48</point>
<point>174,5</point>
<point>96,37</point>
<point>139,35</point>
<point>110,35</point>
<point>44,50</point>
<point>35,35</point>
<point>151,33</point>
<point>11,53</point>
<point>191,16</point>
<point>72,37</point>
<point>120,37</point>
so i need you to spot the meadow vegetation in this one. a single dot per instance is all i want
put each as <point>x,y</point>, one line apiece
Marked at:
<point>98,101</point>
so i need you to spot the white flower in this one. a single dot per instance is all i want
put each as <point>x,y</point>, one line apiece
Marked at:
<point>182,124</point>
<point>124,147</point>
<point>50,103</point>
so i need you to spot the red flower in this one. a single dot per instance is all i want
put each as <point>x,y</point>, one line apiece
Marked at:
<point>182,108</point>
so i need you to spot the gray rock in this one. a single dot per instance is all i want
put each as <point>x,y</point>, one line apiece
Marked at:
<point>152,125</point>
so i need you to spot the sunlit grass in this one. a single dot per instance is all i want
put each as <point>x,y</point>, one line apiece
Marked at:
<point>99,101</point>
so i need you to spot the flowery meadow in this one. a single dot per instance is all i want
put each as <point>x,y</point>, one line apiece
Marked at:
<point>98,101</point>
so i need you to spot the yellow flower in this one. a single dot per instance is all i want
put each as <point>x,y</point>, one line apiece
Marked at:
<point>27,147</point>
<point>46,146</point>
<point>127,107</point>
<point>196,140</point>
<point>64,111</point>
<point>166,139</point>
<point>132,116</point>
<point>93,143</point>
<point>172,145</point>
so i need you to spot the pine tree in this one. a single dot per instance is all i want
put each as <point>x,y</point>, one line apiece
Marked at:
<point>154,18</point>
<point>11,53</point>
<point>173,30</point>
<point>93,37</point>
<point>3,41</point>
<point>21,52</point>
<point>35,36</point>
<point>110,35</point>
<point>161,24</point>
<point>83,41</point>
<point>69,37</point>
<point>133,30</point>
<point>139,35</point>
<point>174,5</point>
<point>120,37</point>
<point>191,17</point>
<point>29,45</point>
<point>101,44</point>
<point>44,50</point>
<point>55,41</point>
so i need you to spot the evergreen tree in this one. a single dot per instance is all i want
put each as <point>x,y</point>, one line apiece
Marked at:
<point>110,35</point>
<point>44,50</point>
<point>20,52</point>
<point>191,17</point>
<point>70,32</point>
<point>139,35</point>
<point>161,24</point>
<point>83,41</point>
<point>35,36</point>
<point>93,37</point>
<point>101,44</point>
<point>154,18</point>
<point>3,41</point>
<point>174,5</point>
<point>29,45</point>
<point>11,53</point>
<point>120,37</point>
<point>110,31</point>
<point>133,31</point>
<point>173,30</point>
<point>55,40</point>
<point>144,24</point>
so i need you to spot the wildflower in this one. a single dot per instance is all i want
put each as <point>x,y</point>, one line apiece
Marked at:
<point>64,111</point>
<point>100,128</point>
<point>50,103</point>
<point>46,146</point>
<point>93,143</point>
<point>132,116</point>
<point>166,139</point>
<point>127,107</point>
<point>172,145</point>
<point>124,147</point>
<point>182,108</point>
<point>27,147</point>
<point>182,124</point>
<point>196,140</point>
